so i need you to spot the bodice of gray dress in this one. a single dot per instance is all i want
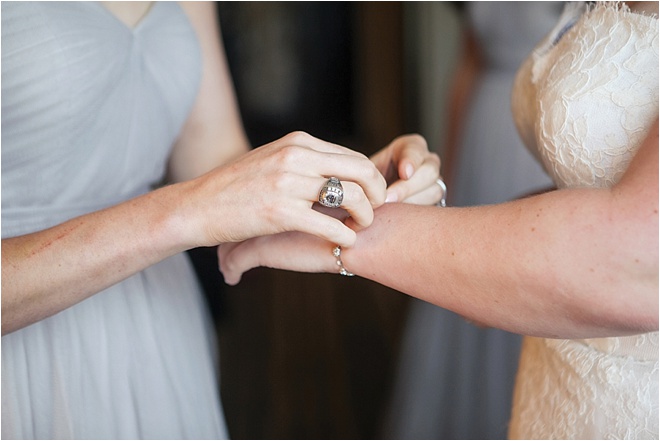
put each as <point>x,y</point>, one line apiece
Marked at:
<point>90,112</point>
<point>90,107</point>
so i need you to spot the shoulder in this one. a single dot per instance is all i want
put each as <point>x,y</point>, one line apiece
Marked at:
<point>199,10</point>
<point>203,17</point>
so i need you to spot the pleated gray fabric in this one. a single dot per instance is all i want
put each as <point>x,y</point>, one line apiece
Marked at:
<point>90,111</point>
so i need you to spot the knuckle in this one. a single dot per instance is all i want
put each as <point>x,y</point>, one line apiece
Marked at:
<point>275,215</point>
<point>360,154</point>
<point>298,137</point>
<point>361,206</point>
<point>371,172</point>
<point>413,139</point>
<point>357,195</point>
<point>418,139</point>
<point>283,181</point>
<point>288,155</point>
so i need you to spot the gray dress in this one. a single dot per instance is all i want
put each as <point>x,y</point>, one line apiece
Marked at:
<point>90,111</point>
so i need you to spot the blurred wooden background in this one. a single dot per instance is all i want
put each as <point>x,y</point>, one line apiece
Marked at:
<point>312,356</point>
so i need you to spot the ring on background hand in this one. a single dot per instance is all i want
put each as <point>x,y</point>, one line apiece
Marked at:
<point>332,193</point>
<point>443,197</point>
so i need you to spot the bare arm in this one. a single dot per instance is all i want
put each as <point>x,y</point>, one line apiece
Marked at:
<point>214,132</point>
<point>265,191</point>
<point>568,263</point>
<point>563,264</point>
<point>51,270</point>
<point>46,272</point>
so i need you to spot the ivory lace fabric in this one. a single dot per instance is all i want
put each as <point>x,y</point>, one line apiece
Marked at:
<point>90,111</point>
<point>584,101</point>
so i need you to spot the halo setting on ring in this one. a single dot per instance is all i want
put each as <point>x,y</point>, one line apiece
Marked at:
<point>332,193</point>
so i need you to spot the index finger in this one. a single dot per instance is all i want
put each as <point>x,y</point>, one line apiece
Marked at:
<point>410,152</point>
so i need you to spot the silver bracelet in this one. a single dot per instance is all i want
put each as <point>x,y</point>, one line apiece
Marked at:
<point>337,253</point>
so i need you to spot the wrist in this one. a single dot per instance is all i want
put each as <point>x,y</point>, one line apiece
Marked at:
<point>172,220</point>
<point>370,246</point>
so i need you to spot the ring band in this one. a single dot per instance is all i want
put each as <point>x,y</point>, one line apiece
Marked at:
<point>332,193</point>
<point>443,197</point>
<point>343,271</point>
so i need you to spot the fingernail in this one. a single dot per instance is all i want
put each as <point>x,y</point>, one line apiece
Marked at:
<point>391,196</point>
<point>409,171</point>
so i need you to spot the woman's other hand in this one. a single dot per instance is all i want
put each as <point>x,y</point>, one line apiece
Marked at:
<point>411,171</point>
<point>291,251</point>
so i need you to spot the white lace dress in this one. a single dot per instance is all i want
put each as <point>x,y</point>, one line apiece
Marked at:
<point>584,101</point>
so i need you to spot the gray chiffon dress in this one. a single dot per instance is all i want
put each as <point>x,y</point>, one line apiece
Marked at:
<point>90,111</point>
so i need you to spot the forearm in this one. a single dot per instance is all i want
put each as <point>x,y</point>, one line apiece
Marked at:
<point>266,191</point>
<point>536,266</point>
<point>48,271</point>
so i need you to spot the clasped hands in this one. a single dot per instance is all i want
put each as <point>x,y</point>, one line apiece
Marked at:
<point>271,193</point>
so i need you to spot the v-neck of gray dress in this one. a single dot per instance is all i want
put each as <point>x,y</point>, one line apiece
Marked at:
<point>90,111</point>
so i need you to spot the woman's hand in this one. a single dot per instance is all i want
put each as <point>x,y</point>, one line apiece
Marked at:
<point>291,251</point>
<point>411,171</point>
<point>272,190</point>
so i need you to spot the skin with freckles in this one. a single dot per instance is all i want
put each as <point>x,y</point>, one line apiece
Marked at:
<point>576,250</point>
<point>551,265</point>
<point>220,191</point>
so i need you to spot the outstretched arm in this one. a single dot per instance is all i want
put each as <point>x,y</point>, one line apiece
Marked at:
<point>266,191</point>
<point>568,263</point>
